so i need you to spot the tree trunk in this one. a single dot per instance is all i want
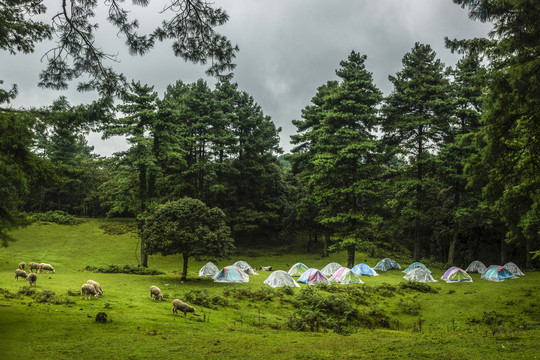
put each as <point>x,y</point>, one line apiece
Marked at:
<point>528,257</point>
<point>142,207</point>
<point>417,244</point>
<point>351,251</point>
<point>452,247</point>
<point>326,242</point>
<point>144,257</point>
<point>419,197</point>
<point>503,251</point>
<point>185,267</point>
<point>309,242</point>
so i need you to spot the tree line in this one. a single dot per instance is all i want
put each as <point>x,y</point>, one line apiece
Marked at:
<point>445,167</point>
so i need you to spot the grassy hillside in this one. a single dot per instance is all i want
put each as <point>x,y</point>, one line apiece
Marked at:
<point>383,318</point>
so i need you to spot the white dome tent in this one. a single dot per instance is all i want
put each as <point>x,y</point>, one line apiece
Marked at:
<point>280,278</point>
<point>420,275</point>
<point>245,267</point>
<point>208,270</point>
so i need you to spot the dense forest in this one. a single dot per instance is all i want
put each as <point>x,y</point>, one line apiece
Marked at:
<point>445,167</point>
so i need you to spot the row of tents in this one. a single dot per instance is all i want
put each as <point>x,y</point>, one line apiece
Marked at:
<point>334,272</point>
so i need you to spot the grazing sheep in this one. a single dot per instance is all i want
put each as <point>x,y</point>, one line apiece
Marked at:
<point>20,273</point>
<point>22,264</point>
<point>156,292</point>
<point>44,266</point>
<point>87,290</point>
<point>96,285</point>
<point>33,265</point>
<point>266,268</point>
<point>182,306</point>
<point>31,278</point>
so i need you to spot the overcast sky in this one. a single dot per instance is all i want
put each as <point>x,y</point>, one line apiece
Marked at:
<point>288,48</point>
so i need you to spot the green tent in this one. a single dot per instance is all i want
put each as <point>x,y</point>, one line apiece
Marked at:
<point>297,269</point>
<point>455,274</point>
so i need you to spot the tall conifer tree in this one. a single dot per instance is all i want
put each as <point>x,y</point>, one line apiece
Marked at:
<point>345,162</point>
<point>416,116</point>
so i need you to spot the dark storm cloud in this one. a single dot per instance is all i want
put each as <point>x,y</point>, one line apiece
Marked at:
<point>288,48</point>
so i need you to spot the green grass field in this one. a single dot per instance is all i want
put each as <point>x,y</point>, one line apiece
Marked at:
<point>479,320</point>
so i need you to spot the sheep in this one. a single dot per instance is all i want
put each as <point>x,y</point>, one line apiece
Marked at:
<point>33,265</point>
<point>87,290</point>
<point>20,273</point>
<point>44,266</point>
<point>179,304</point>
<point>266,268</point>
<point>22,264</point>
<point>32,277</point>
<point>96,285</point>
<point>156,292</point>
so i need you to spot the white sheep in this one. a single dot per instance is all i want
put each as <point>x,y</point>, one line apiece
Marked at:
<point>156,292</point>
<point>182,306</point>
<point>44,266</point>
<point>20,273</point>
<point>22,264</point>
<point>266,268</point>
<point>31,278</point>
<point>96,285</point>
<point>33,265</point>
<point>88,290</point>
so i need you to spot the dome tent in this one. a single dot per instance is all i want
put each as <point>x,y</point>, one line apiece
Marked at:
<point>497,273</point>
<point>455,274</point>
<point>312,277</point>
<point>363,269</point>
<point>209,270</point>
<point>345,276</point>
<point>330,269</point>
<point>419,274</point>
<point>280,278</point>
<point>297,269</point>
<point>513,268</point>
<point>231,274</point>
<point>476,267</point>
<point>387,264</point>
<point>245,267</point>
<point>416,265</point>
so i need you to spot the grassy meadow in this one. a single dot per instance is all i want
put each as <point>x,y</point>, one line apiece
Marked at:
<point>479,320</point>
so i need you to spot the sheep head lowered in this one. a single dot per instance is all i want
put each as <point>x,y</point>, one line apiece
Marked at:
<point>182,306</point>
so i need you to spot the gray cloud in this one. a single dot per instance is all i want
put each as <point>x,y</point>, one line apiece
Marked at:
<point>287,49</point>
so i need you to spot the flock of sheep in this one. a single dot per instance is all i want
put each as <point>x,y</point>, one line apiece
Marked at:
<point>32,277</point>
<point>92,287</point>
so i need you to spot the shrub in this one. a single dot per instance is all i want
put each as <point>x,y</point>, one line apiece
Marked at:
<point>317,310</point>
<point>204,299</point>
<point>26,290</point>
<point>123,269</point>
<point>118,228</point>
<point>418,286</point>
<point>261,294</point>
<point>409,308</point>
<point>45,296</point>
<point>57,217</point>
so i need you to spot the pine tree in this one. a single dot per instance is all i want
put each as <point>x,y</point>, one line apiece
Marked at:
<point>416,117</point>
<point>345,164</point>
<point>138,125</point>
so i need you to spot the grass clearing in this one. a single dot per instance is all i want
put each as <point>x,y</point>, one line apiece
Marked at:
<point>387,320</point>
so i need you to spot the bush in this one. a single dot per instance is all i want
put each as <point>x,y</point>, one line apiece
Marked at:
<point>262,294</point>
<point>409,308</point>
<point>318,311</point>
<point>123,269</point>
<point>418,286</point>
<point>204,299</point>
<point>118,228</point>
<point>57,217</point>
